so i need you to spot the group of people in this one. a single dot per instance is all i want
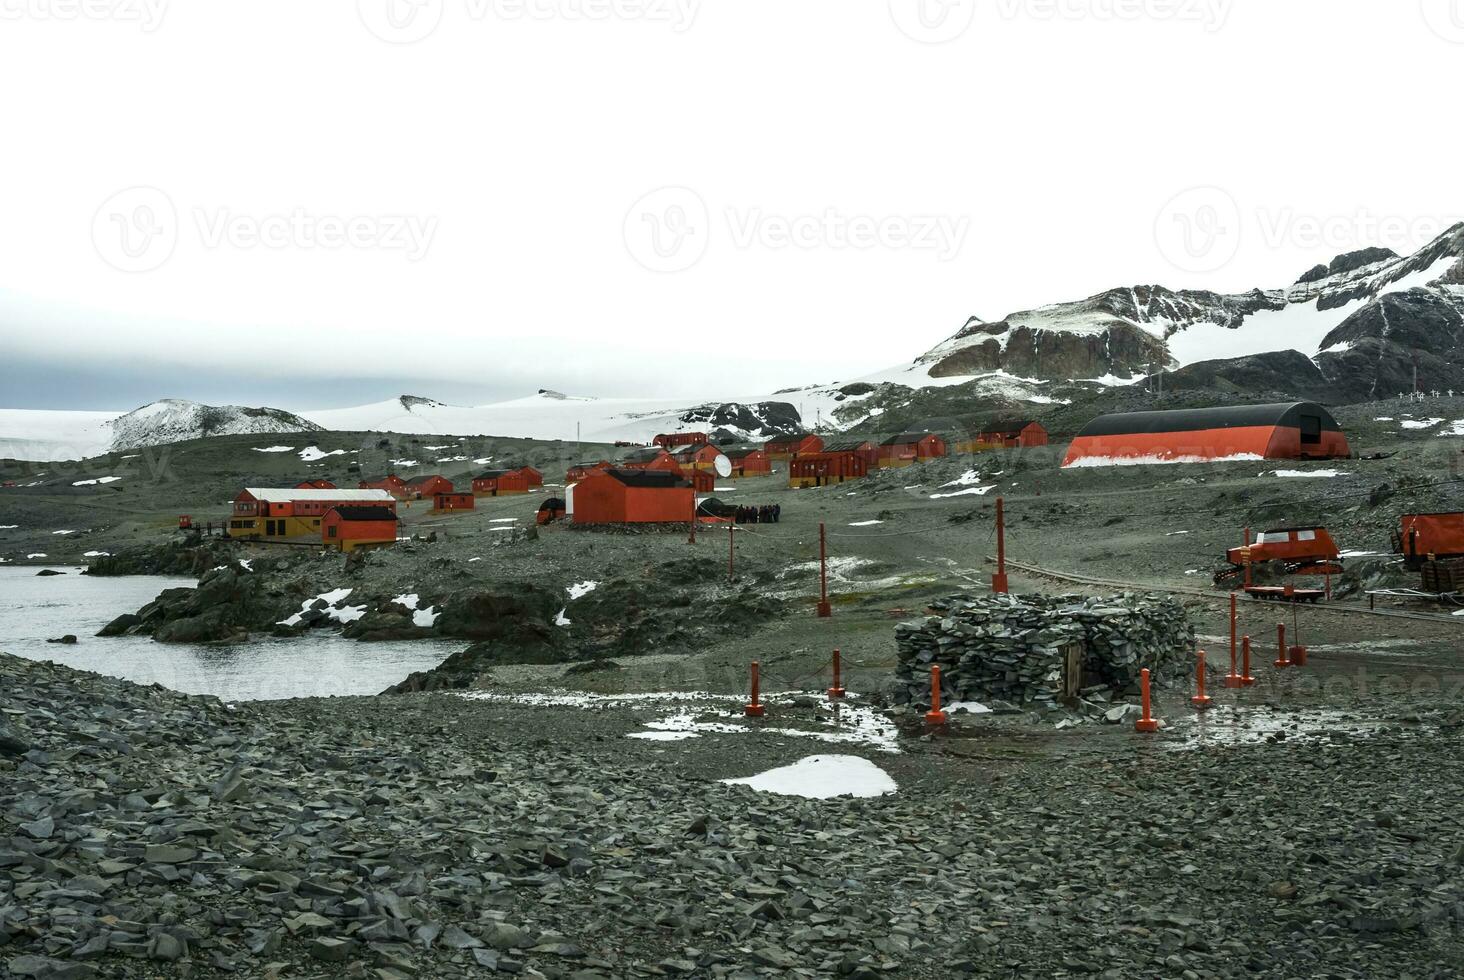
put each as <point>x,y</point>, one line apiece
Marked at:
<point>766,514</point>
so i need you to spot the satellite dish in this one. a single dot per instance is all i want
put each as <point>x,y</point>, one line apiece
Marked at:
<point>723,466</point>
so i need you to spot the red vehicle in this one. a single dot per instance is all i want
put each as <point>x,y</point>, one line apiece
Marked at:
<point>1429,537</point>
<point>1303,551</point>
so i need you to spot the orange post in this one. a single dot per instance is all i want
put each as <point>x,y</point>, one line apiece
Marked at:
<point>755,707</point>
<point>1233,679</point>
<point>1201,700</point>
<point>999,583</point>
<point>1282,660</point>
<point>935,716</point>
<point>825,610</point>
<point>1245,674</point>
<point>1246,545</point>
<point>1147,724</point>
<point>1298,650</point>
<point>837,691</point>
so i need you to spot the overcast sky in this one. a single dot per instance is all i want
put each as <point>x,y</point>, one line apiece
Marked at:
<point>318,204</point>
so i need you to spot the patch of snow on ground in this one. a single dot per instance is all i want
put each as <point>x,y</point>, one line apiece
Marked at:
<point>970,491</point>
<point>409,600</point>
<point>664,736</point>
<point>100,479</point>
<point>346,614</point>
<point>63,532</point>
<point>97,554</point>
<point>1420,423</point>
<point>425,618</point>
<point>248,564</point>
<point>504,520</point>
<point>561,619</point>
<point>311,453</point>
<point>968,707</point>
<point>580,589</point>
<point>405,462</point>
<point>1456,428</point>
<point>275,449</point>
<point>822,777</point>
<point>39,554</point>
<point>8,527</point>
<point>865,523</point>
<point>1175,534</point>
<point>1305,474</point>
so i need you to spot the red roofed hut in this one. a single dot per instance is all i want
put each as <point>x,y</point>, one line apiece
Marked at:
<point>825,469</point>
<point>391,483</point>
<point>749,461</point>
<point>786,447</point>
<point>579,471</point>
<point>349,528</point>
<point>652,458</point>
<point>910,447</point>
<point>620,496</point>
<point>1298,430</point>
<point>316,484</point>
<point>1009,434</point>
<point>428,486</point>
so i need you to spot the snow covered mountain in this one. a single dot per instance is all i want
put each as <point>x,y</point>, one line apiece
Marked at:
<point>1129,332</point>
<point>27,434</point>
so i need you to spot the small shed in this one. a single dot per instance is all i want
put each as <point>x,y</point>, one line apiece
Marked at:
<point>621,496</point>
<point>786,447</point>
<point>351,527</point>
<point>457,500</point>
<point>825,469</point>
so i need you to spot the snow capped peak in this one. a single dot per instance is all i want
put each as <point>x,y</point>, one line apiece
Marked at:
<point>177,419</point>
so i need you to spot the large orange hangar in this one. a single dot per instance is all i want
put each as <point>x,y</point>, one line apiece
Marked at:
<point>1298,430</point>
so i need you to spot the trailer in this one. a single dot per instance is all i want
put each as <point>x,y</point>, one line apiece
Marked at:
<point>1422,538</point>
<point>1300,550</point>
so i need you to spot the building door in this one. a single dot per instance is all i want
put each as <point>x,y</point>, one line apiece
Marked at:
<point>1311,430</point>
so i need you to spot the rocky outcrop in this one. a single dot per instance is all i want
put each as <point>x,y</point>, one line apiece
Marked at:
<point>1349,262</point>
<point>734,421</point>
<point>1288,374</point>
<point>1372,354</point>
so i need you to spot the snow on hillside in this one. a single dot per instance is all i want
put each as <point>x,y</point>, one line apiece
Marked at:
<point>54,435</point>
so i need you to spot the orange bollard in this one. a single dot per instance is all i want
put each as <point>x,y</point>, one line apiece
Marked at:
<point>1245,674</point>
<point>1201,700</point>
<point>1232,679</point>
<point>1147,724</point>
<point>935,716</point>
<point>837,691</point>
<point>999,582</point>
<point>1298,651</point>
<point>1281,658</point>
<point>755,707</point>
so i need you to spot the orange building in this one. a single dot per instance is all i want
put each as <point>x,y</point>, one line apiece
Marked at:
<point>864,448</point>
<point>749,461</point>
<point>825,469</point>
<point>500,483</point>
<point>579,471</point>
<point>348,528</point>
<point>391,483</point>
<point>702,456</point>
<point>671,440</point>
<point>910,447</point>
<point>456,500</point>
<point>261,512</point>
<point>428,486</point>
<point>316,484</point>
<point>1009,434</point>
<point>786,447</point>
<point>620,496</point>
<point>653,458</point>
<point>532,477</point>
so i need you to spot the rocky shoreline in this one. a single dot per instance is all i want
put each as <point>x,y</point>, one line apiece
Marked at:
<point>146,833</point>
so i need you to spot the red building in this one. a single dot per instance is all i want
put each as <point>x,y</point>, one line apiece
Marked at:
<point>532,477</point>
<point>452,501</point>
<point>1011,434</point>
<point>428,486</point>
<point>500,483</point>
<point>674,439</point>
<point>863,448</point>
<point>315,485</point>
<point>620,496</point>
<point>824,469</point>
<point>261,512</point>
<point>700,457</point>
<point>1424,537</point>
<point>1299,430</point>
<point>910,447</point>
<point>348,528</point>
<point>702,481</point>
<point>652,458</point>
<point>391,483</point>
<point>786,447</point>
<point>749,461</point>
<point>579,471</point>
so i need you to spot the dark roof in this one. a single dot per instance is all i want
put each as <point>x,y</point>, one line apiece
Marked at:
<point>741,452</point>
<point>648,478</point>
<point>553,503</point>
<point>364,513</point>
<point>420,480</point>
<point>906,438</point>
<point>493,474</point>
<point>380,479</point>
<point>1007,427</point>
<point>643,455</point>
<point>795,437</point>
<point>1287,415</point>
<point>847,446</point>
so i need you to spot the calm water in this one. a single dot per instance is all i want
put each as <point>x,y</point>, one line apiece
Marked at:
<point>33,609</point>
